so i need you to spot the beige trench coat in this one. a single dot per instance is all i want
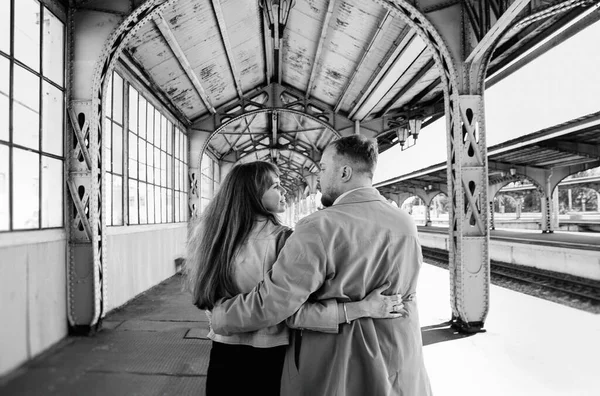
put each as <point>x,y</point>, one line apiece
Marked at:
<point>342,252</point>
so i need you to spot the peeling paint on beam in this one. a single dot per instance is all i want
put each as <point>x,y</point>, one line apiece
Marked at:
<point>324,30</point>
<point>227,44</point>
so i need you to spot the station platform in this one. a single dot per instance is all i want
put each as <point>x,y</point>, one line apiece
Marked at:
<point>155,345</point>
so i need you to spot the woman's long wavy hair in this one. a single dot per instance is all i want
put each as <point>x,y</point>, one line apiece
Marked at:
<point>223,228</point>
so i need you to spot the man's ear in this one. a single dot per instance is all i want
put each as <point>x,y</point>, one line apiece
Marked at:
<point>346,173</point>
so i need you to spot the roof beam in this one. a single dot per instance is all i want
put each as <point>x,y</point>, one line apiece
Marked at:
<point>577,148</point>
<point>324,30</point>
<point>406,87</point>
<point>227,44</point>
<point>169,37</point>
<point>362,60</point>
<point>424,92</point>
<point>267,151</point>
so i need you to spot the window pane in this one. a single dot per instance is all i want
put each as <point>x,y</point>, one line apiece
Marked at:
<point>163,169</point>
<point>142,160</point>
<point>163,133</point>
<point>26,108</point>
<point>133,202</point>
<point>117,200</point>
<point>26,199</point>
<point>117,98</point>
<point>176,147</point>
<point>156,167</point>
<point>133,110</point>
<point>177,203</point>
<point>108,98</point>
<point>150,163</point>
<point>150,198</point>
<point>27,33</point>
<point>108,197</point>
<point>52,120</point>
<point>184,207</point>
<point>217,173</point>
<point>107,133</point>
<point>169,138</point>
<point>156,140</point>
<point>163,204</point>
<point>117,155</point>
<point>4,183</point>
<point>207,186</point>
<point>185,149</point>
<point>142,118</point>
<point>5,27</point>
<point>206,164</point>
<point>133,167</point>
<point>52,192</point>
<point>157,212</point>
<point>150,123</point>
<point>143,204</point>
<point>169,172</point>
<point>169,205</point>
<point>177,177</point>
<point>53,56</point>
<point>4,86</point>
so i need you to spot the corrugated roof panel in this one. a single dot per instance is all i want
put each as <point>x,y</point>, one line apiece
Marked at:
<point>427,79</point>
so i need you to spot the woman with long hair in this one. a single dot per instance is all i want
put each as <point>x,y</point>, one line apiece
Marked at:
<point>230,250</point>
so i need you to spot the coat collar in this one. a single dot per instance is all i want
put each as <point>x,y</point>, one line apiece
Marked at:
<point>361,195</point>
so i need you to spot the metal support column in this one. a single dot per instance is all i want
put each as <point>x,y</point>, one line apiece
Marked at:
<point>492,225</point>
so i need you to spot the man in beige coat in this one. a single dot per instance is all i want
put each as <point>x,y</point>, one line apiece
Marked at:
<point>358,243</point>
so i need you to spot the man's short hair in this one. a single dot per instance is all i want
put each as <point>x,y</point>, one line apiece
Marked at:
<point>360,150</point>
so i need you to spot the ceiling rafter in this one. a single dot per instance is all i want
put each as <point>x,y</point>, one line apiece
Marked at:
<point>361,61</point>
<point>400,44</point>
<point>267,152</point>
<point>227,44</point>
<point>167,34</point>
<point>411,83</point>
<point>323,36</point>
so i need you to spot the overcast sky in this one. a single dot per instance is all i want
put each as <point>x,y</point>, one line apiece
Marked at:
<point>559,86</point>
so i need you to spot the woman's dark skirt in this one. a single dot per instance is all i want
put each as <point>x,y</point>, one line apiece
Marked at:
<point>244,370</point>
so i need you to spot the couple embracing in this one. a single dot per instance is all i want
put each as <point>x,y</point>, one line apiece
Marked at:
<point>329,309</point>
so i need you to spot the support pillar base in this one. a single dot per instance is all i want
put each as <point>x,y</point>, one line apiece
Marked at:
<point>467,327</point>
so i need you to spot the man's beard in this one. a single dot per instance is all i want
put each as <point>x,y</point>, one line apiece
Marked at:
<point>327,200</point>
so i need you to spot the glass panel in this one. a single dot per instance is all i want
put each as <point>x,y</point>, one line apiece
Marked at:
<point>177,176</point>
<point>142,160</point>
<point>52,120</point>
<point>157,212</point>
<point>108,98</point>
<point>4,87</point>
<point>117,199</point>
<point>133,202</point>
<point>184,207</point>
<point>150,198</point>
<point>177,147</point>
<point>133,166</point>
<point>150,162</point>
<point>150,123</point>
<point>169,205</point>
<point>117,155</point>
<point>143,204</point>
<point>53,52</point>
<point>26,108</point>
<point>169,137</point>
<point>206,165</point>
<point>163,168</point>
<point>5,27</point>
<point>52,192</point>
<point>177,202</point>
<point>117,98</point>
<point>185,178</point>
<point>108,197</point>
<point>163,133</point>
<point>156,166</point>
<point>156,140</point>
<point>142,118</point>
<point>27,33</point>
<point>4,183</point>
<point>163,204</point>
<point>203,204</point>
<point>169,171</point>
<point>217,172</point>
<point>185,149</point>
<point>26,193</point>
<point>207,186</point>
<point>108,145</point>
<point>133,110</point>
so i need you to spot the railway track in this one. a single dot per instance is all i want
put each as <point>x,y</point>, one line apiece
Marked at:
<point>542,281</point>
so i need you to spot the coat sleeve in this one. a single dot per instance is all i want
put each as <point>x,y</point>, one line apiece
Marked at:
<point>299,271</point>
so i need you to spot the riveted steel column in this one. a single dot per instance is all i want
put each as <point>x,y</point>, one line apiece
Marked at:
<point>469,230</point>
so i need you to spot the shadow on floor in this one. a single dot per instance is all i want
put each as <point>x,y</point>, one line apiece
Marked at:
<point>440,333</point>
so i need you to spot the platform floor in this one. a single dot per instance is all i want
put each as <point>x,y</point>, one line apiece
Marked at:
<point>155,346</point>
<point>577,240</point>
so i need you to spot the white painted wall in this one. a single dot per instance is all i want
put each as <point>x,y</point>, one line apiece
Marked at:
<point>33,294</point>
<point>140,257</point>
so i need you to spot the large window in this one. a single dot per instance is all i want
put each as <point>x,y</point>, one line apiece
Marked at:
<point>145,148</point>
<point>210,180</point>
<point>31,116</point>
